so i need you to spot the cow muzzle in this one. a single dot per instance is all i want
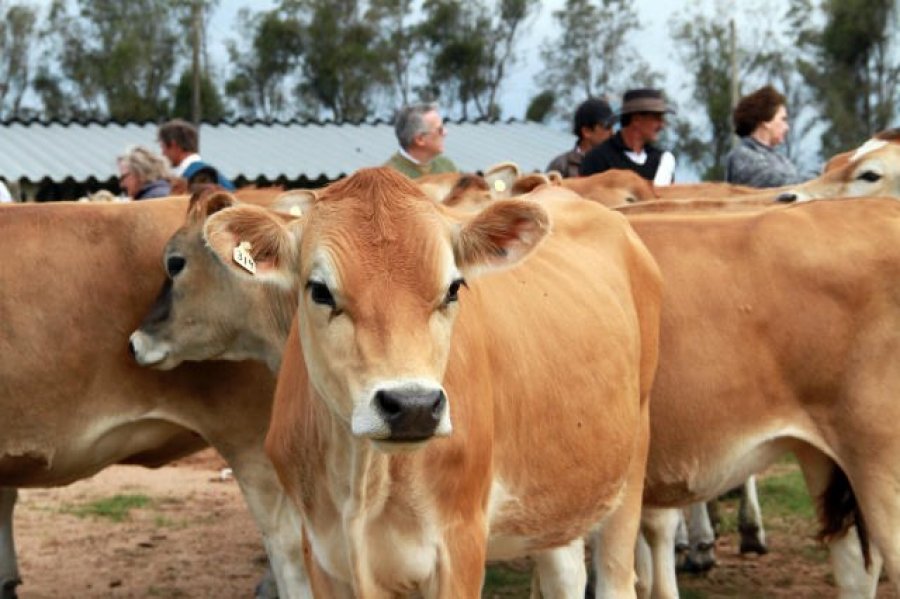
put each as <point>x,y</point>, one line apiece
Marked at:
<point>412,415</point>
<point>146,352</point>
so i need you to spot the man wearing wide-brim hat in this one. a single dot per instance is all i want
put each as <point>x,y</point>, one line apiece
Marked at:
<point>642,117</point>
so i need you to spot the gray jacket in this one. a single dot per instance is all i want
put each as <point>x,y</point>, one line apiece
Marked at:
<point>757,165</point>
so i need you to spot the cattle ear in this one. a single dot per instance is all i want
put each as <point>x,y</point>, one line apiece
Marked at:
<point>295,202</point>
<point>247,231</point>
<point>500,178</point>
<point>207,200</point>
<point>554,177</point>
<point>501,235</point>
<point>528,183</point>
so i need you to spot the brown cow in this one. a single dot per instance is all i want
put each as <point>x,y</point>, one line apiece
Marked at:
<point>79,402</point>
<point>870,170</point>
<point>803,251</point>
<point>778,332</point>
<point>395,383</point>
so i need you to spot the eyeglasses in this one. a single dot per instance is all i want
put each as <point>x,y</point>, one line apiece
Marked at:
<point>442,130</point>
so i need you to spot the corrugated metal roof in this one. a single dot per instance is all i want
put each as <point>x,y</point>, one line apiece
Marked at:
<point>35,151</point>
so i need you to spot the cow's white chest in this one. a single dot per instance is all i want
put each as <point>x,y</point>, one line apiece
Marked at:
<point>395,558</point>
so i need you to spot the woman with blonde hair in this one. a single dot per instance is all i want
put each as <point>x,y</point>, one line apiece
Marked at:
<point>143,174</point>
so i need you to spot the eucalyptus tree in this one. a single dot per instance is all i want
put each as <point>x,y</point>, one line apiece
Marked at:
<point>592,53</point>
<point>114,59</point>
<point>18,36</point>
<point>854,69</point>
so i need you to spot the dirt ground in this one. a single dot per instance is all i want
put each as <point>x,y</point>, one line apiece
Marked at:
<point>189,535</point>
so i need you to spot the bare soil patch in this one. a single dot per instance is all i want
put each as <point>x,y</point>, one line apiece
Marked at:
<point>188,534</point>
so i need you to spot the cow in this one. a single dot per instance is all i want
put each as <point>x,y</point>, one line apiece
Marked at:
<point>79,401</point>
<point>872,169</point>
<point>777,334</point>
<point>499,485</point>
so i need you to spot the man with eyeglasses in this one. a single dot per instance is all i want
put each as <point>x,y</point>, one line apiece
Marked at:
<point>420,132</point>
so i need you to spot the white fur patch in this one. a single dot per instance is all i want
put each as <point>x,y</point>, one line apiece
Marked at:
<point>869,146</point>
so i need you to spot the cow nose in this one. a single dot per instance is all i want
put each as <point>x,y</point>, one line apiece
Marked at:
<point>411,415</point>
<point>786,197</point>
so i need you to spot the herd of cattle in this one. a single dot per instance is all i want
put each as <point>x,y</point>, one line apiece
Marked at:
<point>411,379</point>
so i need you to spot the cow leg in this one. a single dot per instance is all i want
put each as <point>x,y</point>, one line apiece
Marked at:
<point>659,526</point>
<point>279,523</point>
<point>851,577</point>
<point>9,569</point>
<point>682,543</point>
<point>561,571</point>
<point>701,555</point>
<point>461,575</point>
<point>615,539</point>
<point>750,525</point>
<point>643,568</point>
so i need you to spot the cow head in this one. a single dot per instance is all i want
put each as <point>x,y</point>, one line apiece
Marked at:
<point>208,309</point>
<point>381,272</point>
<point>873,169</point>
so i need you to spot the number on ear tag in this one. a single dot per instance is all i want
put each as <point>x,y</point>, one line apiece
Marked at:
<point>242,256</point>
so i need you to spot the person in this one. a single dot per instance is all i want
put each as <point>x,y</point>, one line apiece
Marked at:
<point>642,118</point>
<point>760,121</point>
<point>5,196</point>
<point>143,174</point>
<point>178,140</point>
<point>592,124</point>
<point>420,133</point>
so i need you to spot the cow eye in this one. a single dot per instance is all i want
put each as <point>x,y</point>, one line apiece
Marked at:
<point>870,176</point>
<point>320,294</point>
<point>174,265</point>
<point>453,291</point>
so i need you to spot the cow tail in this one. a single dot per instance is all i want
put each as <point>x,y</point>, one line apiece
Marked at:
<point>839,510</point>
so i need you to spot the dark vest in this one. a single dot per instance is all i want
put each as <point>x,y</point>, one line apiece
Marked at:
<point>611,154</point>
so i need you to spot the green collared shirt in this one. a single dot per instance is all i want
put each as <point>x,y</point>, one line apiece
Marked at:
<point>413,170</point>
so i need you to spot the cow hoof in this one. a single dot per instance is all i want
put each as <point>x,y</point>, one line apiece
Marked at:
<point>8,589</point>
<point>753,545</point>
<point>752,541</point>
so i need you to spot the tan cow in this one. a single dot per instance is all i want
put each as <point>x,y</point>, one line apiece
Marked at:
<point>778,334</point>
<point>77,279</point>
<point>381,396</point>
<point>872,169</point>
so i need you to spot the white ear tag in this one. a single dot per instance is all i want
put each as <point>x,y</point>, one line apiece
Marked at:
<point>242,256</point>
<point>295,211</point>
<point>499,185</point>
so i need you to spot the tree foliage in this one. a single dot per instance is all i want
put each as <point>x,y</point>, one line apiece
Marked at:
<point>17,43</point>
<point>593,54</point>
<point>262,71</point>
<point>854,70</point>
<point>116,58</point>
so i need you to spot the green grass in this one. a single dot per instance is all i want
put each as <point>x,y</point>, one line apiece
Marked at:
<point>500,581</point>
<point>784,495</point>
<point>115,508</point>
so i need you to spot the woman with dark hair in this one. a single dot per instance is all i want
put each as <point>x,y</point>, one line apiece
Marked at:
<point>760,120</point>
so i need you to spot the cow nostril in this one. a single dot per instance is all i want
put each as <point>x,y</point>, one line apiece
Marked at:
<point>388,404</point>
<point>786,197</point>
<point>438,406</point>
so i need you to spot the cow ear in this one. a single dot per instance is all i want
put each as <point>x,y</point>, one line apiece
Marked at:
<point>500,236</point>
<point>295,202</point>
<point>207,200</point>
<point>500,178</point>
<point>253,242</point>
